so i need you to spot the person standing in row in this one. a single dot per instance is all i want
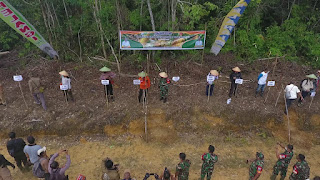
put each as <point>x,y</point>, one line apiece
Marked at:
<point>307,85</point>
<point>108,75</point>
<point>31,150</point>
<point>66,80</point>
<point>4,171</point>
<point>291,92</point>
<point>164,86</point>
<point>262,81</point>
<point>211,77</point>
<point>144,85</point>
<point>15,148</point>
<point>301,170</point>
<point>37,91</point>
<point>283,162</point>
<point>256,166</point>
<point>2,99</point>
<point>209,159</point>
<point>236,74</point>
<point>182,169</point>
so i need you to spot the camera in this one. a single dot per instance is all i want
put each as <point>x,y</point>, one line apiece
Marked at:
<point>151,174</point>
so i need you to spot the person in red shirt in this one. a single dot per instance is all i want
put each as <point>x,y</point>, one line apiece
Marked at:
<point>144,85</point>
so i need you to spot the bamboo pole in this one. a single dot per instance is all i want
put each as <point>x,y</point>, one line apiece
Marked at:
<point>65,96</point>
<point>107,100</point>
<point>289,132</point>
<point>24,99</point>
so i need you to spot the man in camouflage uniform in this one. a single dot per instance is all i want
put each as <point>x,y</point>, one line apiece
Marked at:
<point>301,170</point>
<point>182,169</point>
<point>209,159</point>
<point>256,166</point>
<point>283,162</point>
<point>164,86</point>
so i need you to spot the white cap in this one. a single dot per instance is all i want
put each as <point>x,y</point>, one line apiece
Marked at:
<point>41,150</point>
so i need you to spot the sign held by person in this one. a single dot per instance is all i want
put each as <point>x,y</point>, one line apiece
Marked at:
<point>239,81</point>
<point>136,82</point>
<point>271,83</point>
<point>105,82</point>
<point>63,87</point>
<point>175,78</point>
<point>17,78</point>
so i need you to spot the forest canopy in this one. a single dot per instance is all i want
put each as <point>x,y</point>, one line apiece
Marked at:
<point>78,29</point>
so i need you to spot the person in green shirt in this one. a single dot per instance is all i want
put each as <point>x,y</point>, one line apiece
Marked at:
<point>182,169</point>
<point>164,86</point>
<point>301,169</point>
<point>209,159</point>
<point>283,162</point>
<point>256,166</point>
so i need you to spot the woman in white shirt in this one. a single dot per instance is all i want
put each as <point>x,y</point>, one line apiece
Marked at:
<point>66,80</point>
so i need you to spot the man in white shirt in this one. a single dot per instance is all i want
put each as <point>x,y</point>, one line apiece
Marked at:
<point>198,43</point>
<point>125,43</point>
<point>291,92</point>
<point>262,81</point>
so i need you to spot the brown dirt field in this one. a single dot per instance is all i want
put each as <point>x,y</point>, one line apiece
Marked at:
<point>187,123</point>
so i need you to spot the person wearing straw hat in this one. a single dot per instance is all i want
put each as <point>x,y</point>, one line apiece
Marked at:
<point>144,85</point>
<point>107,74</point>
<point>2,99</point>
<point>236,74</point>
<point>164,86</point>
<point>211,77</point>
<point>307,85</point>
<point>66,80</point>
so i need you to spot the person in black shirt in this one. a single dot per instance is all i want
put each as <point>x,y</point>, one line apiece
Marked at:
<point>4,171</point>
<point>15,148</point>
<point>236,74</point>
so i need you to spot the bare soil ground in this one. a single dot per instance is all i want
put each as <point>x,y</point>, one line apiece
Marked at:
<point>188,122</point>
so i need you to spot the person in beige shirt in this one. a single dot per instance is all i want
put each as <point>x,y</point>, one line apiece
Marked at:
<point>2,99</point>
<point>37,91</point>
<point>111,171</point>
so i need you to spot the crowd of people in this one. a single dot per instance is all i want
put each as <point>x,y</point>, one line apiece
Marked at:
<point>34,157</point>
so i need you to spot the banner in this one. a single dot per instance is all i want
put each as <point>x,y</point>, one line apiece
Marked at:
<point>162,40</point>
<point>228,25</point>
<point>19,23</point>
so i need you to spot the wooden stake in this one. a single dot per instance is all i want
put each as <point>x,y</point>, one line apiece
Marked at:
<point>145,108</point>
<point>209,92</point>
<point>272,77</point>
<point>107,100</point>
<point>289,132</point>
<point>311,102</point>
<point>65,96</point>
<point>25,102</point>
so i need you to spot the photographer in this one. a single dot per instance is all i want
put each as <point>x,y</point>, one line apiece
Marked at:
<point>111,172</point>
<point>156,176</point>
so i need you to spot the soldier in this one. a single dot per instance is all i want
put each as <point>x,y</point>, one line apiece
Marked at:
<point>208,163</point>
<point>301,169</point>
<point>164,86</point>
<point>283,162</point>
<point>256,166</point>
<point>182,169</point>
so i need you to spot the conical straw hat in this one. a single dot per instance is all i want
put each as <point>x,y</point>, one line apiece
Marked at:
<point>64,73</point>
<point>312,76</point>
<point>105,69</point>
<point>214,72</point>
<point>142,74</point>
<point>163,74</point>
<point>236,69</point>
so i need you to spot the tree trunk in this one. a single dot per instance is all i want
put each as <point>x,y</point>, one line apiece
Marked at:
<point>151,16</point>
<point>45,21</point>
<point>141,8</point>
<point>173,13</point>
<point>95,14</point>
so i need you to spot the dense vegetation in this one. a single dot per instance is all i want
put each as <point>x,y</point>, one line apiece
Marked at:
<point>79,29</point>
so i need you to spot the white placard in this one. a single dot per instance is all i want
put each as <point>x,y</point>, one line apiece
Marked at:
<point>136,82</point>
<point>229,101</point>
<point>17,78</point>
<point>63,87</point>
<point>239,81</point>
<point>176,78</point>
<point>210,78</point>
<point>313,94</point>
<point>271,83</point>
<point>105,82</point>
